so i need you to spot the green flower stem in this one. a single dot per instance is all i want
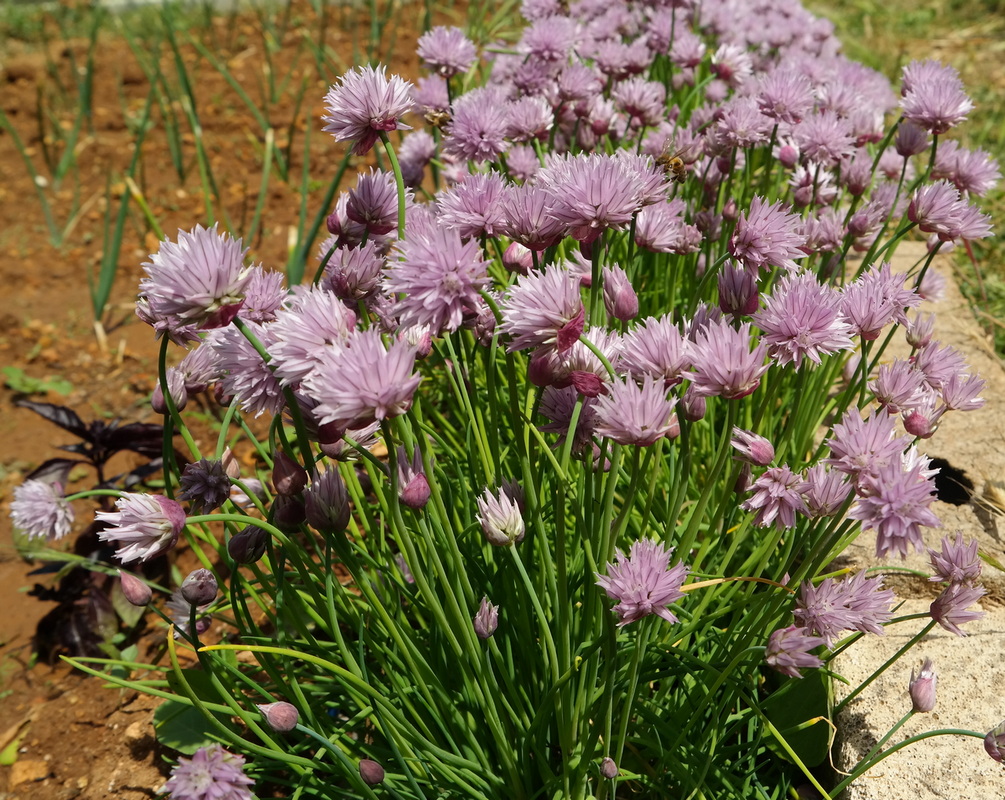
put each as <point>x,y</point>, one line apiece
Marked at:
<point>398,182</point>
<point>862,768</point>
<point>173,412</point>
<point>641,641</point>
<point>95,493</point>
<point>886,665</point>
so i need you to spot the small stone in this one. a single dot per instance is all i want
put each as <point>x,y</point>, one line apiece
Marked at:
<point>27,772</point>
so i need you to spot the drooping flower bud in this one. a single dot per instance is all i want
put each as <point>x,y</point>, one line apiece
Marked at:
<point>288,476</point>
<point>994,742</point>
<point>371,772</point>
<point>751,447</point>
<point>608,768</point>
<point>282,717</point>
<point>199,588</point>
<point>247,546</point>
<point>620,299</point>
<point>692,405</point>
<point>487,619</point>
<point>133,589</point>
<point>922,688</point>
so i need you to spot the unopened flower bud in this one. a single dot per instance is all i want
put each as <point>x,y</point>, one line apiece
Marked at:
<point>199,588</point>
<point>918,423</point>
<point>282,717</point>
<point>288,476</point>
<point>133,589</point>
<point>247,546</point>
<point>518,258</point>
<point>692,405</point>
<point>788,156</point>
<point>994,743</point>
<point>420,338</point>
<point>176,385</point>
<point>620,299</point>
<point>288,512</point>
<point>371,772</point>
<point>922,687</point>
<point>737,291</point>
<point>230,465</point>
<point>743,480</point>
<point>753,448</point>
<point>608,768</point>
<point>413,487</point>
<point>327,502</point>
<point>487,619</point>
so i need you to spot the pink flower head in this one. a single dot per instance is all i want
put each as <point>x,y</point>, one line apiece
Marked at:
<point>933,96</point>
<point>438,278</point>
<point>724,364</point>
<point>362,381</point>
<point>949,609</point>
<point>477,129</point>
<point>956,562</point>
<point>486,619</point>
<point>862,446</point>
<point>767,236</point>
<point>631,414</point>
<point>243,372</point>
<point>785,95</point>
<point>824,491</point>
<point>974,172</point>
<point>143,527</point>
<point>41,511</point>
<point>543,309</point>
<point>315,320</point>
<point>922,687</point>
<point>198,280</point>
<point>527,211</point>
<point>776,498</point>
<point>752,448</point>
<point>858,603</point>
<point>365,103</point>
<point>642,583</point>
<point>373,203</point>
<point>501,517</point>
<point>788,651</point>
<point>211,774</point>
<point>802,319</point>
<point>474,206</point>
<point>446,51</point>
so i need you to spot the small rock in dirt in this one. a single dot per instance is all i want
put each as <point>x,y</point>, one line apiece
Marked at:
<point>27,772</point>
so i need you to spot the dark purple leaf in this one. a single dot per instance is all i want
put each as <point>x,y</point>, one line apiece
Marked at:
<point>55,470</point>
<point>65,417</point>
<point>144,438</point>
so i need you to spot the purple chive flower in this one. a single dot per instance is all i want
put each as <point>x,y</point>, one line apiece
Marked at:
<point>413,486</point>
<point>724,364</point>
<point>431,96</point>
<point>198,368</point>
<point>858,603</point>
<point>438,278</point>
<point>579,365</point>
<point>315,320</point>
<point>558,406</point>
<point>933,96</point>
<point>365,103</point>
<point>592,193</point>
<point>752,448</point>
<point>862,446</point>
<point>620,299</point>
<point>143,527</point>
<point>641,99</point>
<point>477,130</point>
<point>244,373</point>
<point>898,386</point>
<point>776,498</point>
<point>949,609</point>
<point>326,502</point>
<point>785,95</point>
<point>788,651</point>
<point>473,207</point>
<point>486,620</point>
<point>362,381</point>
<point>661,228</point>
<point>211,774</point>
<point>824,138</point>
<point>643,583</point>
<point>530,118</point>
<point>527,211</point>
<point>766,236</point>
<point>738,293</point>
<point>802,319</point>
<point>373,202</point>
<point>732,64</point>
<point>414,153</point>
<point>876,299</point>
<point>894,500</point>
<point>180,611</point>
<point>198,280</point>
<point>956,562</point>
<point>922,687</point>
<point>631,414</point>
<point>353,274</point>
<point>974,172</point>
<point>501,518</point>
<point>959,392</point>
<point>824,491</point>
<point>264,294</point>
<point>205,485</point>
<point>41,511</point>
<point>446,51</point>
<point>176,389</point>
<point>543,309</point>
<point>740,123</point>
